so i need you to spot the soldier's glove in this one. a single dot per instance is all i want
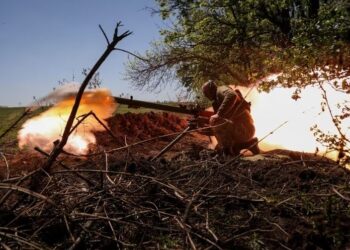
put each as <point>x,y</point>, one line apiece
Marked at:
<point>214,119</point>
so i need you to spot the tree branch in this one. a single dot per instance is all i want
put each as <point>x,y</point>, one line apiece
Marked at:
<point>104,34</point>
<point>132,54</point>
<point>59,147</point>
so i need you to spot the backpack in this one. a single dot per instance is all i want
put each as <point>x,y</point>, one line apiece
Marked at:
<point>244,104</point>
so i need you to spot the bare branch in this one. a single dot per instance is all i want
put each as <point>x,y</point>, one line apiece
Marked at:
<point>130,53</point>
<point>104,34</point>
<point>7,166</point>
<point>58,148</point>
<point>27,191</point>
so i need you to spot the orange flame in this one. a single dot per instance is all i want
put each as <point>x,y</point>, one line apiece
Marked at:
<point>48,127</point>
<point>272,109</point>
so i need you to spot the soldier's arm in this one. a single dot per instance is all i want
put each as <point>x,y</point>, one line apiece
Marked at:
<point>230,100</point>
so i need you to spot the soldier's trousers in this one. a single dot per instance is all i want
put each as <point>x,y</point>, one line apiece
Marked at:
<point>239,130</point>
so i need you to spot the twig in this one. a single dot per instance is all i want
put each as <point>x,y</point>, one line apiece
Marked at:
<point>80,120</point>
<point>85,226</point>
<point>22,240</point>
<point>134,55</point>
<point>285,247</point>
<point>68,228</point>
<point>245,233</point>
<point>84,116</point>
<point>107,169</point>
<point>169,146</point>
<point>27,191</point>
<point>240,154</point>
<point>104,126</point>
<point>7,166</point>
<point>104,34</point>
<point>343,137</point>
<point>5,197</point>
<point>207,240</point>
<point>120,221</point>
<point>194,197</point>
<point>185,229</point>
<point>208,228</point>
<point>278,226</point>
<point>178,192</point>
<point>6,247</point>
<point>284,201</point>
<point>340,195</point>
<point>191,241</point>
<point>152,139</point>
<point>188,230</point>
<point>65,167</point>
<point>110,224</point>
<point>39,229</point>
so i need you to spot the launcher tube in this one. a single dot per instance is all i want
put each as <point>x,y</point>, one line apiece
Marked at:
<point>182,110</point>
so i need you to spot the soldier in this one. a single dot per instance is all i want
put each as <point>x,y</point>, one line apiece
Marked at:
<point>233,124</point>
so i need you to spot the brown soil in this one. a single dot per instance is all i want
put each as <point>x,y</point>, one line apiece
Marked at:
<point>192,198</point>
<point>159,128</point>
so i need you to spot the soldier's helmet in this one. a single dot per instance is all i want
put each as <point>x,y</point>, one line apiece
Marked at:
<point>209,89</point>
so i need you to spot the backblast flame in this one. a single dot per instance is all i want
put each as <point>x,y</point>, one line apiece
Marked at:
<point>270,110</point>
<point>48,127</point>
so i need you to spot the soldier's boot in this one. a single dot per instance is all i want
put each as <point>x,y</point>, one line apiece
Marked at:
<point>252,145</point>
<point>219,149</point>
<point>235,150</point>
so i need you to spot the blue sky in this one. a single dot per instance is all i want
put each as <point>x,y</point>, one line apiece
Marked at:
<point>44,41</point>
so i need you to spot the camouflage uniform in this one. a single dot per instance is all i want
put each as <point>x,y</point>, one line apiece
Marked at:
<point>239,132</point>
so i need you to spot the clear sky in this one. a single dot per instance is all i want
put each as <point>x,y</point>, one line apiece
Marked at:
<point>44,41</point>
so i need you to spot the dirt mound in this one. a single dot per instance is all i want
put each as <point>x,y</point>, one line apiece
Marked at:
<point>127,129</point>
<point>146,125</point>
<point>158,128</point>
<point>133,127</point>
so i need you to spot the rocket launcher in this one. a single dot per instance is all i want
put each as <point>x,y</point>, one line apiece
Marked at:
<point>198,113</point>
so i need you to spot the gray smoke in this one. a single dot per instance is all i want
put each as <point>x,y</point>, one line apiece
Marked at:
<point>59,94</point>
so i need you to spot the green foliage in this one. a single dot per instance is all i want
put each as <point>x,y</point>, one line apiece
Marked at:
<point>237,42</point>
<point>242,41</point>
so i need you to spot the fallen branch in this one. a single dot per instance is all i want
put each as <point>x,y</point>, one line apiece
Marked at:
<point>340,195</point>
<point>22,240</point>
<point>65,167</point>
<point>27,191</point>
<point>7,166</point>
<point>5,197</point>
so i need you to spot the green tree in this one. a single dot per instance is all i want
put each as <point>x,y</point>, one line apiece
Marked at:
<point>241,41</point>
<point>238,42</point>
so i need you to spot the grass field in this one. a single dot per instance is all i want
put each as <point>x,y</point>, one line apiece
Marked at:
<point>124,109</point>
<point>7,117</point>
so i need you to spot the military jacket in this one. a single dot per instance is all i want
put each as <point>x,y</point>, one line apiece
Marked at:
<point>229,103</point>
